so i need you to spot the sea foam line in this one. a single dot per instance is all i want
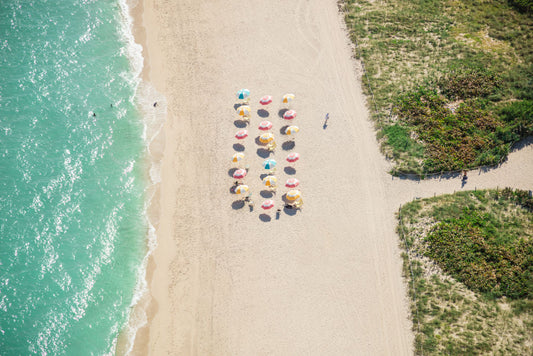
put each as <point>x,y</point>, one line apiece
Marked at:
<point>153,119</point>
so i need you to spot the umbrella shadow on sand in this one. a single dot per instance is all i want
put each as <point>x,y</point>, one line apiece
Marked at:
<point>289,170</point>
<point>231,171</point>
<point>240,123</point>
<point>267,193</point>
<point>237,204</point>
<point>282,129</point>
<point>288,145</point>
<point>262,113</point>
<point>265,218</point>
<point>238,147</point>
<point>281,112</point>
<point>238,105</point>
<point>263,153</point>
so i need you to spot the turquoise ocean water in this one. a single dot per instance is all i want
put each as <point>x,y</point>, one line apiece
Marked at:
<point>72,225</point>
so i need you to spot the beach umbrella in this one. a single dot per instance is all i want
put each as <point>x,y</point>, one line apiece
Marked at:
<point>292,183</point>
<point>270,181</point>
<point>267,99</point>
<point>237,157</point>
<point>241,189</point>
<point>243,94</point>
<point>266,137</point>
<point>287,98</point>
<point>293,157</point>
<point>239,173</point>
<point>269,163</point>
<point>289,115</point>
<point>291,130</point>
<point>268,204</point>
<point>244,110</point>
<point>265,125</point>
<point>241,134</point>
<point>293,194</point>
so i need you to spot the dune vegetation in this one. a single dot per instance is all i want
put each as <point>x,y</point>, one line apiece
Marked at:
<point>468,259</point>
<point>450,82</point>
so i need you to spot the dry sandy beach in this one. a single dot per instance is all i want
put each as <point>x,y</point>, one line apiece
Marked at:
<point>223,281</point>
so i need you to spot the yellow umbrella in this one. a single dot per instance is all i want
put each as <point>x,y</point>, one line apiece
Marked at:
<point>266,137</point>
<point>293,194</point>
<point>241,189</point>
<point>237,157</point>
<point>270,181</point>
<point>291,130</point>
<point>287,98</point>
<point>244,110</point>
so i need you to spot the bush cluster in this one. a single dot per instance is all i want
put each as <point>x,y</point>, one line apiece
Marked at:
<point>470,83</point>
<point>474,249</point>
<point>453,139</point>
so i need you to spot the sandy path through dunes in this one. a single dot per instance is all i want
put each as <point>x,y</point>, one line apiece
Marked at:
<point>227,281</point>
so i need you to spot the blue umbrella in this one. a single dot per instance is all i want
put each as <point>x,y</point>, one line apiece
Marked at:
<point>243,94</point>
<point>269,163</point>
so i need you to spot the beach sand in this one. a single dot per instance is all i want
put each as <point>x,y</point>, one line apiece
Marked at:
<point>225,280</point>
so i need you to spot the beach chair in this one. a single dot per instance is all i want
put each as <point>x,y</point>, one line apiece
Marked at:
<point>272,146</point>
<point>272,171</point>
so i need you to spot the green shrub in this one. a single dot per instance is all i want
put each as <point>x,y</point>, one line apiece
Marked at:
<point>471,250</point>
<point>467,84</point>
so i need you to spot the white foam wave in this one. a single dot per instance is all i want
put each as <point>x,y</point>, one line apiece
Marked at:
<point>153,107</point>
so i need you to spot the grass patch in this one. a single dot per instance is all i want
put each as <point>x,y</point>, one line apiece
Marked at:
<point>464,68</point>
<point>470,272</point>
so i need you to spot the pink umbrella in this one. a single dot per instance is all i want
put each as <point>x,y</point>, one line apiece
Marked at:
<point>268,204</point>
<point>289,115</point>
<point>267,99</point>
<point>265,125</point>
<point>241,134</point>
<point>293,157</point>
<point>292,183</point>
<point>239,173</point>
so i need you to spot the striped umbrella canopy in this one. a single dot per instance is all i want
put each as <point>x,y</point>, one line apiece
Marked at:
<point>244,110</point>
<point>237,157</point>
<point>267,99</point>
<point>289,115</point>
<point>241,134</point>
<point>265,125</point>
<point>292,183</point>
<point>293,157</point>
<point>293,194</point>
<point>266,137</point>
<point>268,204</point>
<point>243,94</point>
<point>269,163</point>
<point>270,181</point>
<point>291,130</point>
<point>241,189</point>
<point>239,173</point>
<point>287,98</point>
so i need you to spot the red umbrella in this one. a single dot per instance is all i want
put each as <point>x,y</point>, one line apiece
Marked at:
<point>292,183</point>
<point>241,134</point>
<point>268,204</point>
<point>240,173</point>
<point>267,99</point>
<point>265,125</point>
<point>293,157</point>
<point>289,115</point>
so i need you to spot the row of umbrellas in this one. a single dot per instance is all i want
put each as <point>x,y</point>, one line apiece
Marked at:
<point>246,111</point>
<point>244,94</point>
<point>267,136</point>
